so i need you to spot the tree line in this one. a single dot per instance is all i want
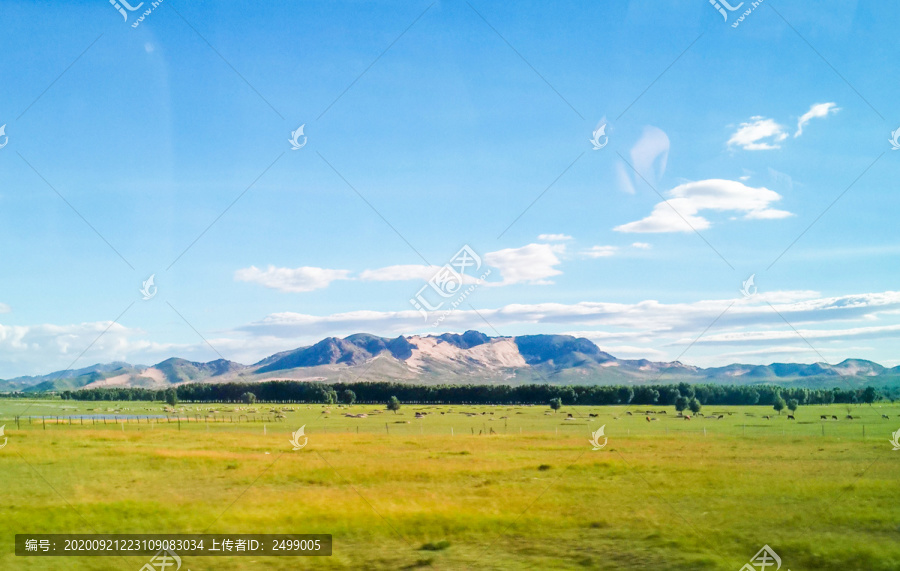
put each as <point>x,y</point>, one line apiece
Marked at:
<point>381,392</point>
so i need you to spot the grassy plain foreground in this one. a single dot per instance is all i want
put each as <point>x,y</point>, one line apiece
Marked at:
<point>399,492</point>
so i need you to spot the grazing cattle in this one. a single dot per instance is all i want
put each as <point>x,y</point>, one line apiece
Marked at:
<point>648,418</point>
<point>592,415</point>
<point>662,412</point>
<point>687,417</point>
<point>721,416</point>
<point>791,417</point>
<point>824,417</point>
<point>849,417</point>
<point>628,413</point>
<point>833,417</point>
<point>766,417</point>
<point>885,416</point>
<point>569,415</point>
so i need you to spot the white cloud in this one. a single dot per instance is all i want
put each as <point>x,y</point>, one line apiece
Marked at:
<point>300,279</point>
<point>4,308</point>
<point>641,245</point>
<point>681,212</point>
<point>758,134</point>
<point>651,153</point>
<point>623,175</point>
<point>600,251</point>
<point>649,157</point>
<point>647,322</point>
<point>554,237</point>
<point>399,273</point>
<point>663,330</point>
<point>769,336</point>
<point>45,348</point>
<point>532,264</point>
<point>818,110</point>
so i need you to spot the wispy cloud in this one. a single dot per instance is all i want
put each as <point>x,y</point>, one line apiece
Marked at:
<point>758,134</point>
<point>681,212</point>
<point>600,251</point>
<point>554,237</point>
<point>301,279</point>
<point>399,273</point>
<point>763,134</point>
<point>532,264</point>
<point>817,111</point>
<point>649,157</point>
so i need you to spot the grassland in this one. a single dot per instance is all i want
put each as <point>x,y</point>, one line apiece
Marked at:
<point>399,492</point>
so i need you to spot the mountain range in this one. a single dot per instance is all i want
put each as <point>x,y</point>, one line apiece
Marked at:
<point>469,358</point>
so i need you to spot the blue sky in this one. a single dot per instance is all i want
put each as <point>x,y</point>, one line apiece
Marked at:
<point>434,126</point>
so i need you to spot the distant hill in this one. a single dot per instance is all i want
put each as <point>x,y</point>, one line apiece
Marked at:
<point>471,357</point>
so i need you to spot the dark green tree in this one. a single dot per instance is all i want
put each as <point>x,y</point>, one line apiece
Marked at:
<point>695,406</point>
<point>248,398</point>
<point>686,390</point>
<point>171,397</point>
<point>792,405</point>
<point>348,397</point>
<point>555,403</point>
<point>779,404</point>
<point>393,404</point>
<point>682,403</point>
<point>869,395</point>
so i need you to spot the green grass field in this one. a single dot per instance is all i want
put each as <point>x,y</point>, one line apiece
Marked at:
<point>399,492</point>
